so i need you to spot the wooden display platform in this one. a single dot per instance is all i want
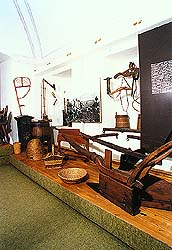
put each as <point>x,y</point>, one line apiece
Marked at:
<point>150,229</point>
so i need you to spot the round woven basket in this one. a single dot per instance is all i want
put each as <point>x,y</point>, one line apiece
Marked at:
<point>73,175</point>
<point>34,149</point>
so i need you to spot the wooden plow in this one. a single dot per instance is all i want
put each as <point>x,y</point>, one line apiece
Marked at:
<point>131,189</point>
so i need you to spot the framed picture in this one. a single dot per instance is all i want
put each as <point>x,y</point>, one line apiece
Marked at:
<point>85,108</point>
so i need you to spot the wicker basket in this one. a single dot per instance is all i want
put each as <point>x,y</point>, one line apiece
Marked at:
<point>73,175</point>
<point>34,149</point>
<point>17,148</point>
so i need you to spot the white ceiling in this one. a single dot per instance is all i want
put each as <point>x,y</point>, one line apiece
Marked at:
<point>3,57</point>
<point>37,28</point>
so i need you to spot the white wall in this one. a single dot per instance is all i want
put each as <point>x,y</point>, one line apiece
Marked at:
<point>9,70</point>
<point>55,111</point>
<point>32,102</point>
<point>88,74</point>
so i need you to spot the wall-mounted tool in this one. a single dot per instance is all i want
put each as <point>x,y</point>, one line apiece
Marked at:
<point>44,115</point>
<point>22,87</point>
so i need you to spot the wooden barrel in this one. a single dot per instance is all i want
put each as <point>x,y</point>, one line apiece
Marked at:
<point>122,121</point>
<point>139,122</point>
<point>40,128</point>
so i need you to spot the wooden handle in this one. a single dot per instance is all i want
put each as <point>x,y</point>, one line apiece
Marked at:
<point>53,149</point>
<point>153,158</point>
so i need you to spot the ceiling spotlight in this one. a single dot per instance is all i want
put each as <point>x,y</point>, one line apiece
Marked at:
<point>98,40</point>
<point>137,22</point>
<point>69,54</point>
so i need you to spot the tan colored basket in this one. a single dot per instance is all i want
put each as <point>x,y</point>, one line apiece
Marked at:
<point>73,175</point>
<point>34,149</point>
<point>17,148</point>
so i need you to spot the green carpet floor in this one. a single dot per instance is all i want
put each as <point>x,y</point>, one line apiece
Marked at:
<point>33,219</point>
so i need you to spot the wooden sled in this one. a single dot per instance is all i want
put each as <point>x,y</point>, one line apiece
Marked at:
<point>131,189</point>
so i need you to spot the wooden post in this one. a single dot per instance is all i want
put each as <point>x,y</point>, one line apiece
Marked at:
<point>108,158</point>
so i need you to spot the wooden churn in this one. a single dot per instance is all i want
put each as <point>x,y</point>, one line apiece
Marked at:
<point>122,121</point>
<point>41,129</point>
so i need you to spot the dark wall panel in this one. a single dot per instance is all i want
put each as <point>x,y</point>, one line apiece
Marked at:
<point>155,55</point>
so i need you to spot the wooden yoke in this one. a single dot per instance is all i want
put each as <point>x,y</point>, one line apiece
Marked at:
<point>115,147</point>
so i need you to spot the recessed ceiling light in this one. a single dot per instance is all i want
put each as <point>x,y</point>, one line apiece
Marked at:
<point>137,22</point>
<point>98,40</point>
<point>69,54</point>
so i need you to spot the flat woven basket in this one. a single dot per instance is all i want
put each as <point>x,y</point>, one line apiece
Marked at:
<point>73,175</point>
<point>34,149</point>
